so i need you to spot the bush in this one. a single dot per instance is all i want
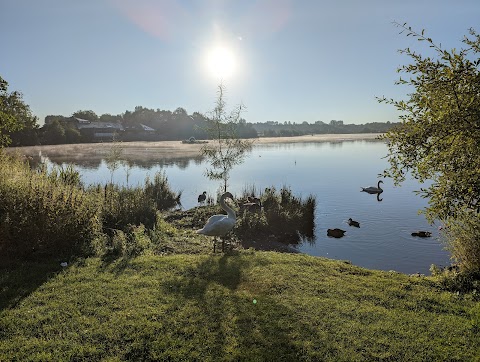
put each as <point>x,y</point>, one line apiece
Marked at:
<point>43,213</point>
<point>50,212</point>
<point>160,192</point>
<point>453,280</point>
<point>283,215</point>
<point>124,206</point>
<point>133,242</point>
<point>462,237</point>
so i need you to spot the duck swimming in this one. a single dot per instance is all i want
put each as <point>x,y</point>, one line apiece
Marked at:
<point>353,223</point>
<point>422,234</point>
<point>336,233</point>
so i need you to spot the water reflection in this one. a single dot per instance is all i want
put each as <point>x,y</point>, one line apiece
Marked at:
<point>93,162</point>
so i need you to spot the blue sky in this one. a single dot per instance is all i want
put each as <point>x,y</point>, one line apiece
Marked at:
<point>287,60</point>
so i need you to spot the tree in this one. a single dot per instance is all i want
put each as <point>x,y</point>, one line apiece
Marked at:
<point>72,134</point>
<point>438,140</point>
<point>87,115</point>
<point>50,118</point>
<point>15,115</point>
<point>227,150</point>
<point>54,133</point>
<point>106,117</point>
<point>113,159</point>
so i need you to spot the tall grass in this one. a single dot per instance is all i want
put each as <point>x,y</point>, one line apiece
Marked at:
<point>44,212</point>
<point>282,214</point>
<point>49,212</point>
<point>461,236</point>
<point>125,206</point>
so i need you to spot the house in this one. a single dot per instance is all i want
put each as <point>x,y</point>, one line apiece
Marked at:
<point>140,132</point>
<point>99,131</point>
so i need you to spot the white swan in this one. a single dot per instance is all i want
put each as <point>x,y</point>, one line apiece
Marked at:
<point>373,189</point>
<point>220,225</point>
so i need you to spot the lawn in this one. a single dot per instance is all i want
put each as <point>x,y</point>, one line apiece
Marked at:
<point>243,305</point>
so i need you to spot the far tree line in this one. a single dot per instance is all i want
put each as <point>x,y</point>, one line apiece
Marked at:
<point>170,125</point>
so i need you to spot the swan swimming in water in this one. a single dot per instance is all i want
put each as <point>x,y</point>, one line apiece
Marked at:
<point>373,189</point>
<point>220,225</point>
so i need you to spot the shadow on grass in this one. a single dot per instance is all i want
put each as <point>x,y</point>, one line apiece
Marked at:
<point>243,324</point>
<point>19,278</point>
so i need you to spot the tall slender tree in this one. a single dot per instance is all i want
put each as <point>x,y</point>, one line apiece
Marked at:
<point>226,149</point>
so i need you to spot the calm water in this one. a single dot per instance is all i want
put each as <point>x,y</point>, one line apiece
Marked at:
<point>334,173</point>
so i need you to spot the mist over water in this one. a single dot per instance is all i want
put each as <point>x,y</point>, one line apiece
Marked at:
<point>334,172</point>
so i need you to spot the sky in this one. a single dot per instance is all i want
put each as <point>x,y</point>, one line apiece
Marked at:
<point>284,60</point>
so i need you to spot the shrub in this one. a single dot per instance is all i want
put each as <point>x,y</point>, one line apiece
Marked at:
<point>283,215</point>
<point>48,211</point>
<point>454,280</point>
<point>160,192</point>
<point>133,242</point>
<point>42,213</point>
<point>66,175</point>
<point>125,206</point>
<point>462,237</point>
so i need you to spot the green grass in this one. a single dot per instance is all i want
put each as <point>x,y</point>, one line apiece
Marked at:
<point>202,307</point>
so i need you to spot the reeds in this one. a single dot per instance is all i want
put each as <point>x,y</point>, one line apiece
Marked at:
<point>281,214</point>
<point>125,206</point>
<point>49,212</point>
<point>43,212</point>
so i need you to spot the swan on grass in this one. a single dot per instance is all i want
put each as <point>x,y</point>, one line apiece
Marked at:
<point>373,189</point>
<point>220,225</point>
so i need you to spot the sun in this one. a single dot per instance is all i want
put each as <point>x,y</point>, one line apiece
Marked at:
<point>220,62</point>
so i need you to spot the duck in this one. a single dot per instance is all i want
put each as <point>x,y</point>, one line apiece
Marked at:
<point>373,189</point>
<point>336,233</point>
<point>422,234</point>
<point>220,225</point>
<point>202,197</point>
<point>353,223</point>
<point>253,204</point>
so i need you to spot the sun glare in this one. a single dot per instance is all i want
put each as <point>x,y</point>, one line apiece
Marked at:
<point>220,62</point>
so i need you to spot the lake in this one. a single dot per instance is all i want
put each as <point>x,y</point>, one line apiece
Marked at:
<point>334,172</point>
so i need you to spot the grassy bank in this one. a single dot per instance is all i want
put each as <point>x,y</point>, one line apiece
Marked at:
<point>252,306</point>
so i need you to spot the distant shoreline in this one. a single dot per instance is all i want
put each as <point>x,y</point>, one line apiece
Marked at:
<point>169,149</point>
